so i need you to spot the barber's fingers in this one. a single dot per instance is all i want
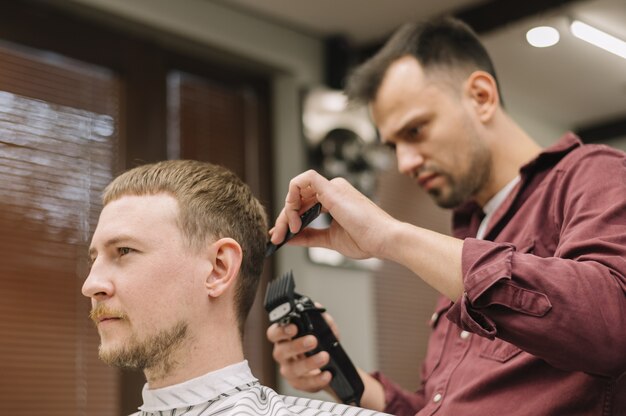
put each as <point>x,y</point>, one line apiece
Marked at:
<point>282,224</point>
<point>304,366</point>
<point>304,190</point>
<point>314,381</point>
<point>301,371</point>
<point>292,350</point>
<point>280,228</point>
<point>277,333</point>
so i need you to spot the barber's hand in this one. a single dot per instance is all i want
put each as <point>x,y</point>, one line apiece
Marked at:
<point>359,226</point>
<point>302,372</point>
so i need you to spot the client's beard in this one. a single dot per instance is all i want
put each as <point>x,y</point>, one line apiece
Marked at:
<point>153,353</point>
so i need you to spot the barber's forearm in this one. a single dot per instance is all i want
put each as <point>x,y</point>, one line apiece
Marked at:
<point>374,394</point>
<point>434,257</point>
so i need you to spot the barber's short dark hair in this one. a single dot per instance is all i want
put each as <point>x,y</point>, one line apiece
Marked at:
<point>444,43</point>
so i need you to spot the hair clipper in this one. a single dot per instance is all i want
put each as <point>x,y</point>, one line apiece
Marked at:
<point>286,306</point>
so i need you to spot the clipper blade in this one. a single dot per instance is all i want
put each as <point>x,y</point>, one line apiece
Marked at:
<point>279,296</point>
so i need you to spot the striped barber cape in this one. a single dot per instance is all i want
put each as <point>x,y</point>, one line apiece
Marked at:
<point>234,391</point>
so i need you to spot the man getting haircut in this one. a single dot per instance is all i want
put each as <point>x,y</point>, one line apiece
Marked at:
<point>176,260</point>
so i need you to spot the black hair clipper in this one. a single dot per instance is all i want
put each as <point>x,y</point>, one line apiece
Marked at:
<point>286,306</point>
<point>306,219</point>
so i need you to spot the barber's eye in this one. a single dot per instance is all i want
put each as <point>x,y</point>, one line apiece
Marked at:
<point>413,132</point>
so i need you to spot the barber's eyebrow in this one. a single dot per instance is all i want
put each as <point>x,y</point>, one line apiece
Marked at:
<point>120,239</point>
<point>410,120</point>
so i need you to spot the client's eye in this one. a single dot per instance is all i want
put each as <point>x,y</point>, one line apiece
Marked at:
<point>124,250</point>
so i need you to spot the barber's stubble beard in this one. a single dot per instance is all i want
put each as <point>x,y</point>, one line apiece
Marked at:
<point>465,187</point>
<point>154,353</point>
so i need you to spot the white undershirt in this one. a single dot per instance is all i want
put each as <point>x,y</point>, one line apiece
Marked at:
<point>493,204</point>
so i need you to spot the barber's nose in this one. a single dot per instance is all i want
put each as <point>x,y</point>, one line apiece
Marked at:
<point>98,284</point>
<point>409,158</point>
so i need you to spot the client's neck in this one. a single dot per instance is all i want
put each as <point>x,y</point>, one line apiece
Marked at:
<point>197,355</point>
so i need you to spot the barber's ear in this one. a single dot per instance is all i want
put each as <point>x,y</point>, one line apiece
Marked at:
<point>482,90</point>
<point>226,256</point>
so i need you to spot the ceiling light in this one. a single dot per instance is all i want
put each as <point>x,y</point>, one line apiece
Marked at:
<point>542,36</point>
<point>598,38</point>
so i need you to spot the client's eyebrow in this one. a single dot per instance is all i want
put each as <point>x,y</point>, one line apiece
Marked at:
<point>111,242</point>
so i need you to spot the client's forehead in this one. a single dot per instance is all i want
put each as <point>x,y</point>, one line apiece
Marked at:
<point>139,217</point>
<point>145,207</point>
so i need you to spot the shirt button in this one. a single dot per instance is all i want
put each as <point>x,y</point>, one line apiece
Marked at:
<point>464,335</point>
<point>437,397</point>
<point>434,318</point>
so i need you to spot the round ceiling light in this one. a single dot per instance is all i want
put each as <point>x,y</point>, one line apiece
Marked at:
<point>542,36</point>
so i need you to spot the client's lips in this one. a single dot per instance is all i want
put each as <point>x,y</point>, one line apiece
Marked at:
<point>108,319</point>
<point>100,314</point>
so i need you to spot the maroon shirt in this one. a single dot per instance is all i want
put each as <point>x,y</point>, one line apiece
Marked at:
<point>541,327</point>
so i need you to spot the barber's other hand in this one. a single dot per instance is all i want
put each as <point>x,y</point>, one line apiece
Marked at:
<point>302,372</point>
<point>359,226</point>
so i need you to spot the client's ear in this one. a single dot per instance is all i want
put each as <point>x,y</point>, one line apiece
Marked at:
<point>226,256</point>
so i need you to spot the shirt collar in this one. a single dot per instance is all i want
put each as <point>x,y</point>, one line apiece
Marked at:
<point>552,154</point>
<point>197,390</point>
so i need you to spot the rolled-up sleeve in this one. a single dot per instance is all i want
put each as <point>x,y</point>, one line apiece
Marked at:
<point>568,308</point>
<point>488,283</point>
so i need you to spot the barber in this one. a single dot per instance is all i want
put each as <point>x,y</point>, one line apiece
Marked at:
<point>532,316</point>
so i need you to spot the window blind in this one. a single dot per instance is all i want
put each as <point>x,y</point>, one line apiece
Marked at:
<point>58,141</point>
